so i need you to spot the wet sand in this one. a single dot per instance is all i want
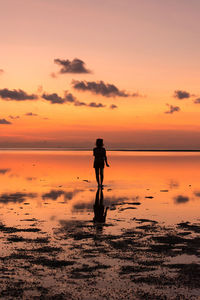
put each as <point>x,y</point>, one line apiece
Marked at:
<point>148,247</point>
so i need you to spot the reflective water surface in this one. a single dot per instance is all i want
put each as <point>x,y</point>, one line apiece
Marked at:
<point>51,195</point>
<point>60,185</point>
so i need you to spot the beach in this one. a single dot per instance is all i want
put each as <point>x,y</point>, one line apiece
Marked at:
<point>147,248</point>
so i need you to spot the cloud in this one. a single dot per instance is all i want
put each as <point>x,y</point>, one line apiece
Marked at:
<point>79,103</point>
<point>70,195</point>
<point>88,206</point>
<point>4,171</point>
<point>53,194</point>
<point>197,193</point>
<point>16,95</point>
<point>54,98</point>
<point>31,114</point>
<point>31,178</point>
<point>94,104</point>
<point>69,98</point>
<point>14,117</point>
<point>4,121</point>
<point>75,66</point>
<point>82,206</point>
<point>1,71</point>
<point>197,101</point>
<point>99,88</point>
<point>181,94</point>
<point>115,200</point>
<point>181,199</point>
<point>91,104</point>
<point>172,109</point>
<point>16,197</point>
<point>113,106</point>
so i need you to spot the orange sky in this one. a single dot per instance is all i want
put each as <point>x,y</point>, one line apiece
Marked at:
<point>146,47</point>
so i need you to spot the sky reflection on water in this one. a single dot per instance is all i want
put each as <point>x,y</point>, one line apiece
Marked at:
<point>61,185</point>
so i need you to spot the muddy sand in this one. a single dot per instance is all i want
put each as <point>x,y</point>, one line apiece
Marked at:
<point>79,260</point>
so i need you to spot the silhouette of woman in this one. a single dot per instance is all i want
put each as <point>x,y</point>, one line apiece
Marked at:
<point>99,210</point>
<point>99,161</point>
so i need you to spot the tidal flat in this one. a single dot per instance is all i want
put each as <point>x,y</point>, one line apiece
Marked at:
<point>52,247</point>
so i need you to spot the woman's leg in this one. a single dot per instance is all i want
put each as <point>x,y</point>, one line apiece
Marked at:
<point>97,174</point>
<point>101,175</point>
<point>97,198</point>
<point>101,197</point>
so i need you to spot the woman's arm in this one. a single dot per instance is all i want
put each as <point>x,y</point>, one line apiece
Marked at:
<point>105,157</point>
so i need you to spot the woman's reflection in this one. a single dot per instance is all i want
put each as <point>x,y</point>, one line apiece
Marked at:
<point>99,209</point>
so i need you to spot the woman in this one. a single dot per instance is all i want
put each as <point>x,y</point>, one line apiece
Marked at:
<point>99,161</point>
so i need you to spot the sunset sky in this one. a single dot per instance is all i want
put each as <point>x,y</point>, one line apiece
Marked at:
<point>127,71</point>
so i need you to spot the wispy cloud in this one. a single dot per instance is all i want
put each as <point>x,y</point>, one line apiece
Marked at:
<point>16,95</point>
<point>1,71</point>
<point>69,98</point>
<point>53,194</point>
<point>82,206</point>
<point>76,66</point>
<point>179,94</point>
<point>14,117</point>
<point>94,104</point>
<point>16,197</point>
<point>197,101</point>
<point>197,193</point>
<point>4,122</point>
<point>88,206</point>
<point>4,171</point>
<point>100,88</point>
<point>172,109</point>
<point>31,114</point>
<point>79,103</point>
<point>113,106</point>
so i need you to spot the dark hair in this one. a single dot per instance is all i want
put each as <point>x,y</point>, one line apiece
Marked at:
<point>99,142</point>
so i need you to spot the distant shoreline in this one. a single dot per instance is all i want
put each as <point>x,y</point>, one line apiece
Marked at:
<point>87,149</point>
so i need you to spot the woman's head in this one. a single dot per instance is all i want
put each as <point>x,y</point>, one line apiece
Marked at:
<point>99,142</point>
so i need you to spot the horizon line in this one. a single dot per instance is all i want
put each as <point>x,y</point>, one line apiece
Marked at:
<point>90,149</point>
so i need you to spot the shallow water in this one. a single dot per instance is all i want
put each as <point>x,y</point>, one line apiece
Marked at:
<point>61,185</point>
<point>50,195</point>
